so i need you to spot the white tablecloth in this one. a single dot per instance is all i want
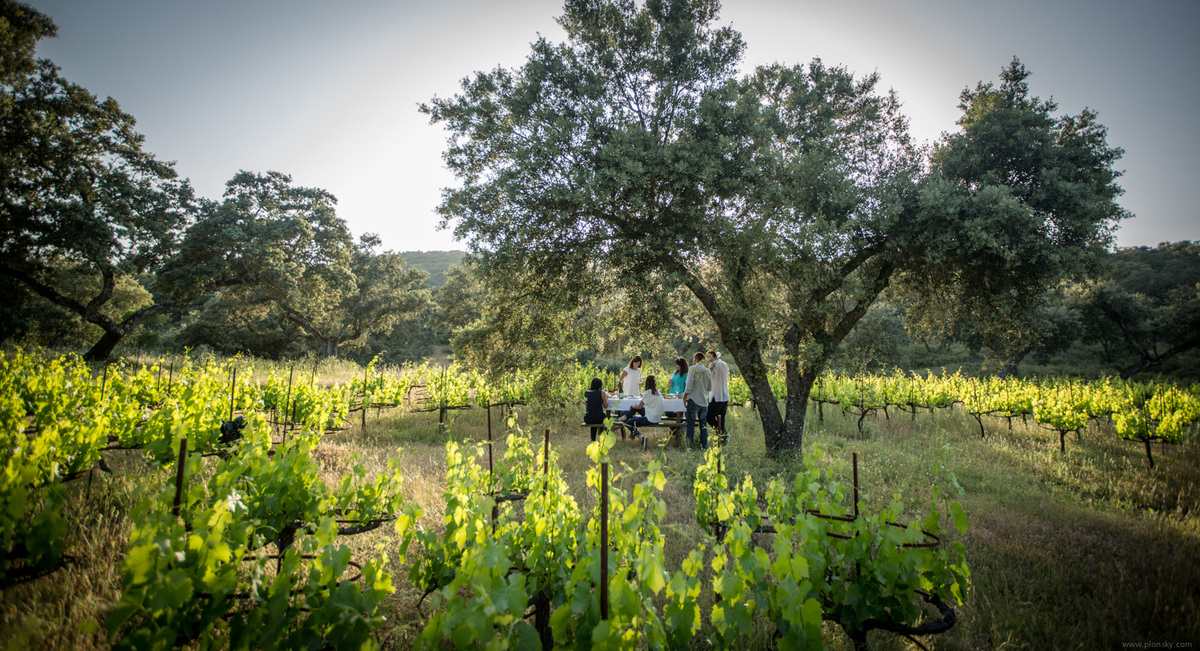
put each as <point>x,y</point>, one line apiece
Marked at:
<point>623,404</point>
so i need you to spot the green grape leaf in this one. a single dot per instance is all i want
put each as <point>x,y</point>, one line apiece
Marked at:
<point>960,517</point>
<point>558,622</point>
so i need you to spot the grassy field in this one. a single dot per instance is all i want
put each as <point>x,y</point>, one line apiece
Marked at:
<point>1083,550</point>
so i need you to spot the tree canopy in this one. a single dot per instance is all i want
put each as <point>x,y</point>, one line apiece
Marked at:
<point>1147,310</point>
<point>633,160</point>
<point>77,191</point>
<point>276,257</point>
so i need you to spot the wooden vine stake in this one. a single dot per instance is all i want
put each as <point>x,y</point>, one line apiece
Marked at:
<point>546,463</point>
<point>232,392</point>
<point>489,419</point>
<point>287,401</point>
<point>363,401</point>
<point>604,540</point>
<point>179,476</point>
<point>442,405</point>
<point>854,461</point>
<point>491,471</point>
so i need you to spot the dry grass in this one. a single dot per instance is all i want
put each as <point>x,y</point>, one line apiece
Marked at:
<point>1078,550</point>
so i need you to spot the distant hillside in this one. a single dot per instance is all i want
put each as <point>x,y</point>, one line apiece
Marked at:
<point>434,262</point>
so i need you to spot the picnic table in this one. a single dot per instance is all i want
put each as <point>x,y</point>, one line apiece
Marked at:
<point>623,404</point>
<point>673,414</point>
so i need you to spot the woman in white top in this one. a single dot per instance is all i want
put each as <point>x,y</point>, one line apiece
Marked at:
<point>652,403</point>
<point>631,377</point>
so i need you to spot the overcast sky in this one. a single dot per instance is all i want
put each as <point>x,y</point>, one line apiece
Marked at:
<point>327,92</point>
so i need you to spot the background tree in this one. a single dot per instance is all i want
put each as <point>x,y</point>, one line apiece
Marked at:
<point>1044,190</point>
<point>281,263</point>
<point>875,343</point>
<point>1146,310</point>
<point>78,196</point>
<point>460,301</point>
<point>1044,331</point>
<point>785,201</point>
<point>30,318</point>
<point>470,309</point>
<point>248,251</point>
<point>513,330</point>
<point>337,309</point>
<point>410,339</point>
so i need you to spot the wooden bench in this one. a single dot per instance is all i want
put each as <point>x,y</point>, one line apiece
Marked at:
<point>674,424</point>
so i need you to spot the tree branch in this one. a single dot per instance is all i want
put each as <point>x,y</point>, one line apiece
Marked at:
<point>1130,340</point>
<point>1147,361</point>
<point>300,320</point>
<point>835,336</point>
<point>109,283</point>
<point>851,265</point>
<point>45,291</point>
<point>137,318</point>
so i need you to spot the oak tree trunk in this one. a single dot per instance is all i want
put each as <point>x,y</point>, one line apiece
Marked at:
<point>800,384</point>
<point>329,347</point>
<point>800,380</point>
<point>754,371</point>
<point>103,348</point>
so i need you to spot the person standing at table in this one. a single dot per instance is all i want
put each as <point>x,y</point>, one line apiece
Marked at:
<point>596,404</point>
<point>679,377</point>
<point>631,377</point>
<point>718,402</point>
<point>631,386</point>
<point>652,408</point>
<point>695,396</point>
<point>678,380</point>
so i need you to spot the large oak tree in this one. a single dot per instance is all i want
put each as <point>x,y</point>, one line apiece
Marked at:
<point>634,159</point>
<point>1146,312</point>
<point>77,192</point>
<point>273,258</point>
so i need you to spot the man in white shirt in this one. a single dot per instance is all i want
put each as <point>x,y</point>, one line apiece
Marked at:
<point>695,397</point>
<point>718,402</point>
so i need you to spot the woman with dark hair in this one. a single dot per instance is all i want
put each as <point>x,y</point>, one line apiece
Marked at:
<point>679,377</point>
<point>651,405</point>
<point>597,404</point>
<point>631,377</point>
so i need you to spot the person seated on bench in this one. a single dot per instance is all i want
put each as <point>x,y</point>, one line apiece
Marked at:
<point>652,403</point>
<point>597,404</point>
